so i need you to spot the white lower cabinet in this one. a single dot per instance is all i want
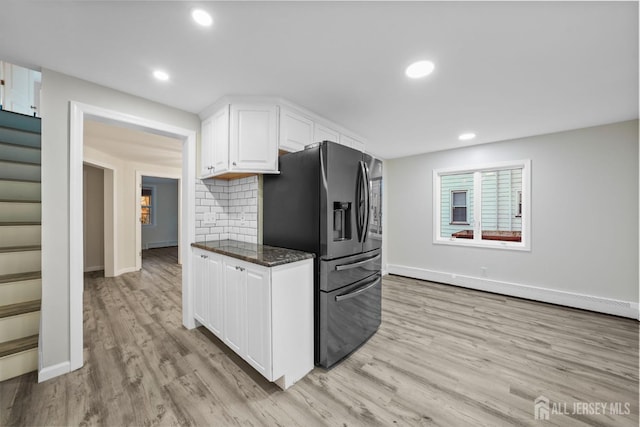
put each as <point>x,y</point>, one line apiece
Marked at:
<point>234,307</point>
<point>208,300</point>
<point>264,314</point>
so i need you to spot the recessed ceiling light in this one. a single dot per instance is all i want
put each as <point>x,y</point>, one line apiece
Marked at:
<point>467,136</point>
<point>161,75</point>
<point>419,69</point>
<point>202,17</point>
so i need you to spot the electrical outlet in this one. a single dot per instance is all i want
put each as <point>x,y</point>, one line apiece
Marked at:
<point>243,215</point>
<point>210,218</point>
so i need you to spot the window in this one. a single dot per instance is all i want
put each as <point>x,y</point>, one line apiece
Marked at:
<point>146,206</point>
<point>459,207</point>
<point>486,205</point>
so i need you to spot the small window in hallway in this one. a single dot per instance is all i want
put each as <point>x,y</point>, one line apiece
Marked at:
<point>146,206</point>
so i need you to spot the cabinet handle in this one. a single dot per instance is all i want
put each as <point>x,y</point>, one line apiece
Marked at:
<point>239,268</point>
<point>234,164</point>
<point>204,256</point>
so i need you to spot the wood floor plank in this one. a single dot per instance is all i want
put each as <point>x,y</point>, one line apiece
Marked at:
<point>444,356</point>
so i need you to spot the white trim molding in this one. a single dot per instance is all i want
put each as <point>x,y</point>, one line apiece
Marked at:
<point>569,299</point>
<point>475,222</point>
<point>49,372</point>
<point>78,113</point>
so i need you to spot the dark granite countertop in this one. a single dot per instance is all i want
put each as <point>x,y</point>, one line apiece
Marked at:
<point>268,256</point>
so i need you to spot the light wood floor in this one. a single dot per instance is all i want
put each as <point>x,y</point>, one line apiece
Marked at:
<point>443,356</point>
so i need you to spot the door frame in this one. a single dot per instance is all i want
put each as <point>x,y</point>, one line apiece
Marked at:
<point>110,238</point>
<point>139,175</point>
<point>78,113</point>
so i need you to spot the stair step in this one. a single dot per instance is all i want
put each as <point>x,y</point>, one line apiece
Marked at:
<point>16,346</point>
<point>25,248</point>
<point>9,119</point>
<point>19,137</point>
<point>11,189</point>
<point>22,289</point>
<point>20,262</point>
<point>21,171</point>
<point>17,277</point>
<point>19,201</point>
<point>10,179</point>
<point>19,211</point>
<point>14,365</point>
<point>19,162</point>
<point>12,234</point>
<point>18,223</point>
<point>19,153</point>
<point>19,308</point>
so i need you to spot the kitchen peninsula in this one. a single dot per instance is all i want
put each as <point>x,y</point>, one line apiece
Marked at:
<point>258,300</point>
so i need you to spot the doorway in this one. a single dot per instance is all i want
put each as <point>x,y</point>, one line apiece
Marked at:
<point>159,213</point>
<point>78,113</point>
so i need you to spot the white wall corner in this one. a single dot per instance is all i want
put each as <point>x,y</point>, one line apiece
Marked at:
<point>615,307</point>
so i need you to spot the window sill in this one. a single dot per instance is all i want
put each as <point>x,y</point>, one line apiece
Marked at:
<point>488,244</point>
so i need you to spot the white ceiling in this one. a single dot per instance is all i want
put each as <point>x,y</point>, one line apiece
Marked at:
<point>133,145</point>
<point>503,69</point>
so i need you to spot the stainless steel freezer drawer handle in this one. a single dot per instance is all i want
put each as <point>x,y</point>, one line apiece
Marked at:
<point>356,264</point>
<point>358,292</point>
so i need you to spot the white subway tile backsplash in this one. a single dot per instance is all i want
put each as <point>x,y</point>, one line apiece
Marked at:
<point>231,201</point>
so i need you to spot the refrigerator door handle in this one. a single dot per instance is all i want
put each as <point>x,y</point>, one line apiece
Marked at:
<point>362,201</point>
<point>358,291</point>
<point>359,202</point>
<point>343,267</point>
<point>367,192</point>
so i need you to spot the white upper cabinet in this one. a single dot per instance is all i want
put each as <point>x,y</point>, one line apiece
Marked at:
<point>243,135</point>
<point>240,139</point>
<point>214,148</point>
<point>254,138</point>
<point>323,133</point>
<point>220,141</point>
<point>296,131</point>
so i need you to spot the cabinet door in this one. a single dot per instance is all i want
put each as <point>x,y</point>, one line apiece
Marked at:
<point>258,350</point>
<point>296,131</point>
<point>351,142</point>
<point>200,309</point>
<point>254,138</point>
<point>206,148</point>
<point>215,295</point>
<point>220,141</point>
<point>234,307</point>
<point>323,133</point>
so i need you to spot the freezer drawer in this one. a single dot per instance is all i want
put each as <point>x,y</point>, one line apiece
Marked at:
<point>340,272</point>
<point>348,318</point>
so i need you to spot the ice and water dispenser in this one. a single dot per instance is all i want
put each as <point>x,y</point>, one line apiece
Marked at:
<point>341,221</point>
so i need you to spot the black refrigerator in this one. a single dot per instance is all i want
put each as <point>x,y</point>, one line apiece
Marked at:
<point>327,200</point>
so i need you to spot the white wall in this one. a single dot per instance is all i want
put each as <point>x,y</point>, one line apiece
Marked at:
<point>57,91</point>
<point>164,231</point>
<point>584,220</point>
<point>93,218</point>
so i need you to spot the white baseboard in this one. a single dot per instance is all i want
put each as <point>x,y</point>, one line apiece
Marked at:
<point>621,308</point>
<point>94,268</point>
<point>153,245</point>
<point>49,372</point>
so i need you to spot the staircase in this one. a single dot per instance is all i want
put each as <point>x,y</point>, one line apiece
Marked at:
<point>20,210</point>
